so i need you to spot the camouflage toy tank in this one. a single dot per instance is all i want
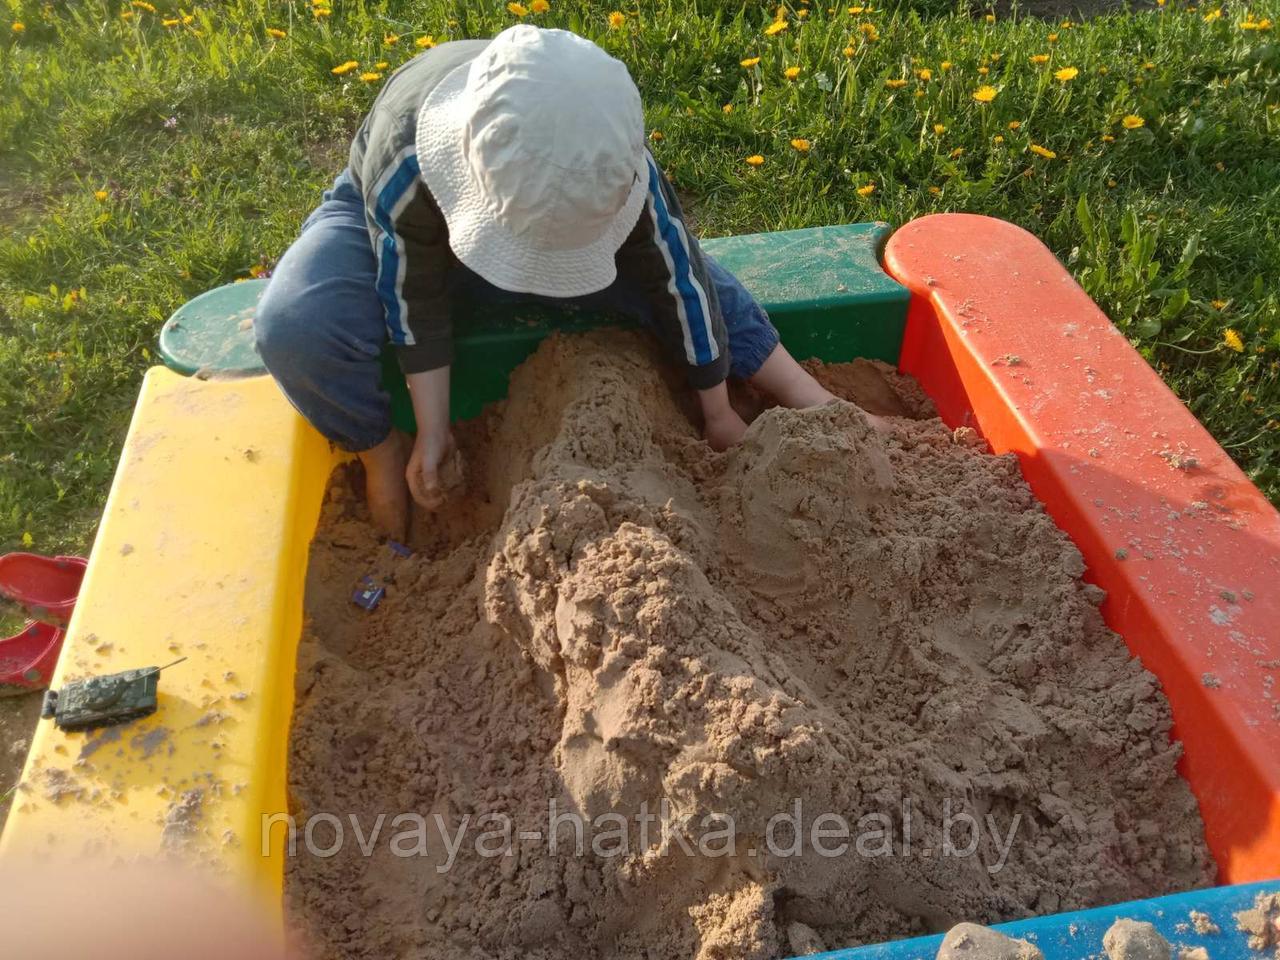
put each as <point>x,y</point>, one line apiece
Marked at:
<point>104,701</point>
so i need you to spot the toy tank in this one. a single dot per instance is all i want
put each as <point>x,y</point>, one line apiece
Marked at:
<point>104,701</point>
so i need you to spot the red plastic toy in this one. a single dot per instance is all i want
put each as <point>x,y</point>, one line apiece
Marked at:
<point>46,588</point>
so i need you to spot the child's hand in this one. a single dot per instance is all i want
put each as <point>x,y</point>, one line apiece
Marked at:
<point>434,467</point>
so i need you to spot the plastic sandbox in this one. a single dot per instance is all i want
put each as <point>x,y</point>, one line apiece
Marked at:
<point>203,547</point>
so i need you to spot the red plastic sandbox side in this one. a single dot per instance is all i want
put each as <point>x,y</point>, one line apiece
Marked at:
<point>1186,547</point>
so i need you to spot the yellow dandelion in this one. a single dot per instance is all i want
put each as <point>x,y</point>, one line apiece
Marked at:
<point>775,28</point>
<point>391,39</point>
<point>1108,138</point>
<point>143,5</point>
<point>655,135</point>
<point>1232,340</point>
<point>867,190</point>
<point>957,152</point>
<point>869,31</point>
<point>1213,15</point>
<point>1148,65</point>
<point>999,138</point>
<point>996,56</point>
<point>1043,151</point>
<point>173,22</point>
<point>1053,38</point>
<point>1039,58</point>
<point>188,19</point>
<point>426,43</point>
<point>321,12</point>
<point>1014,124</point>
<point>101,195</point>
<point>983,71</point>
<point>727,108</point>
<point>895,83</point>
<point>1249,23</point>
<point>791,72</point>
<point>343,69</point>
<point>370,76</point>
<point>749,62</point>
<point>126,14</point>
<point>1103,71</point>
<point>800,145</point>
<point>802,14</point>
<point>990,18</point>
<point>1218,304</point>
<point>539,6</point>
<point>616,19</point>
<point>381,65</point>
<point>848,52</point>
<point>925,74</point>
<point>945,65</point>
<point>276,33</point>
<point>935,190</point>
<point>1132,121</point>
<point>985,93</point>
<point>754,160</point>
<point>1066,73</point>
<point>856,10</point>
<point>18,27</point>
<point>518,9</point>
<point>1111,183</point>
<point>939,129</point>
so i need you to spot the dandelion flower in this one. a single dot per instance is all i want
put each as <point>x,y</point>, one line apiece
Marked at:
<point>985,93</point>
<point>391,39</point>
<point>539,6</point>
<point>754,160</point>
<point>143,5</point>
<point>188,19</point>
<point>895,84</point>
<point>276,33</point>
<point>991,18</point>
<point>983,71</point>
<point>998,138</point>
<point>1043,151</point>
<point>802,14</point>
<point>867,190</point>
<point>1218,304</point>
<point>1039,58</point>
<point>935,190</point>
<point>1132,122</point>
<point>170,23</point>
<point>944,66</point>
<point>1052,38</point>
<point>775,28</point>
<point>1213,15</point>
<point>18,27</point>
<point>321,12</point>
<point>925,74</point>
<point>370,76</point>
<point>616,19</point>
<point>1103,71</point>
<point>856,10</point>
<point>1249,23</point>
<point>381,65</point>
<point>727,108</point>
<point>1232,340</point>
<point>939,129</point>
<point>101,196</point>
<point>749,62</point>
<point>869,31</point>
<point>1015,124</point>
<point>126,14</point>
<point>1148,65</point>
<point>343,69</point>
<point>426,43</point>
<point>1108,138</point>
<point>1067,73</point>
<point>519,9</point>
<point>848,52</point>
<point>957,152</point>
<point>655,135</point>
<point>800,145</point>
<point>791,72</point>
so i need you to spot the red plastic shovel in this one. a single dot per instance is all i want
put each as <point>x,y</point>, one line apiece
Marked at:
<point>46,587</point>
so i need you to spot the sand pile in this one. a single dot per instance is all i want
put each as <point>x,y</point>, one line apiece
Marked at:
<point>826,620</point>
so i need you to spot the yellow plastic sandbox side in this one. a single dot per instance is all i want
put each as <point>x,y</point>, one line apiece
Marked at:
<point>201,553</point>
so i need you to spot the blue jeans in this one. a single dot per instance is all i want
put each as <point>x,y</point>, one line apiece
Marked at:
<point>321,332</point>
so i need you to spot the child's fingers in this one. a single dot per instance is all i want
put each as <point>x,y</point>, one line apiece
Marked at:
<point>424,485</point>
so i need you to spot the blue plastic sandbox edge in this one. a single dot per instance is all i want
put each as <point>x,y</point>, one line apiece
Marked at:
<point>1078,935</point>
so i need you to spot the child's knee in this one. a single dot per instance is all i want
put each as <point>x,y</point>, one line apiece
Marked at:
<point>280,328</point>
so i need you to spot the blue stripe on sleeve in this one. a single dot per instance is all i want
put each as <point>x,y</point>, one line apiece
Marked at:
<point>391,198</point>
<point>670,236</point>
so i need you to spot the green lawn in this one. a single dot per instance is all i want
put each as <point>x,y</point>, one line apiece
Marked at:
<point>147,156</point>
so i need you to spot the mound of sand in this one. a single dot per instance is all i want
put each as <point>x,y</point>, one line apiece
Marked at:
<point>824,620</point>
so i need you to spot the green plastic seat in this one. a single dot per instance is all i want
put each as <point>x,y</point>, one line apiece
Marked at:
<point>214,332</point>
<point>823,288</point>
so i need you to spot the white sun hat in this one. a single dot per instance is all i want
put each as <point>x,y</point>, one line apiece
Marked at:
<point>534,153</point>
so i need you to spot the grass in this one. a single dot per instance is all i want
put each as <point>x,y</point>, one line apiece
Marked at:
<point>148,156</point>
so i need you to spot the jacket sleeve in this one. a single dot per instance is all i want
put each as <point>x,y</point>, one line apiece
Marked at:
<point>411,243</point>
<point>663,260</point>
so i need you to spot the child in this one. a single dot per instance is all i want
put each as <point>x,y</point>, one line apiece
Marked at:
<point>516,164</point>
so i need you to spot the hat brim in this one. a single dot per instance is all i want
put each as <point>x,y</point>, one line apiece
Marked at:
<point>479,240</point>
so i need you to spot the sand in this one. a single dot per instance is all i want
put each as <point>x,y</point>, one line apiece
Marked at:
<point>879,626</point>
